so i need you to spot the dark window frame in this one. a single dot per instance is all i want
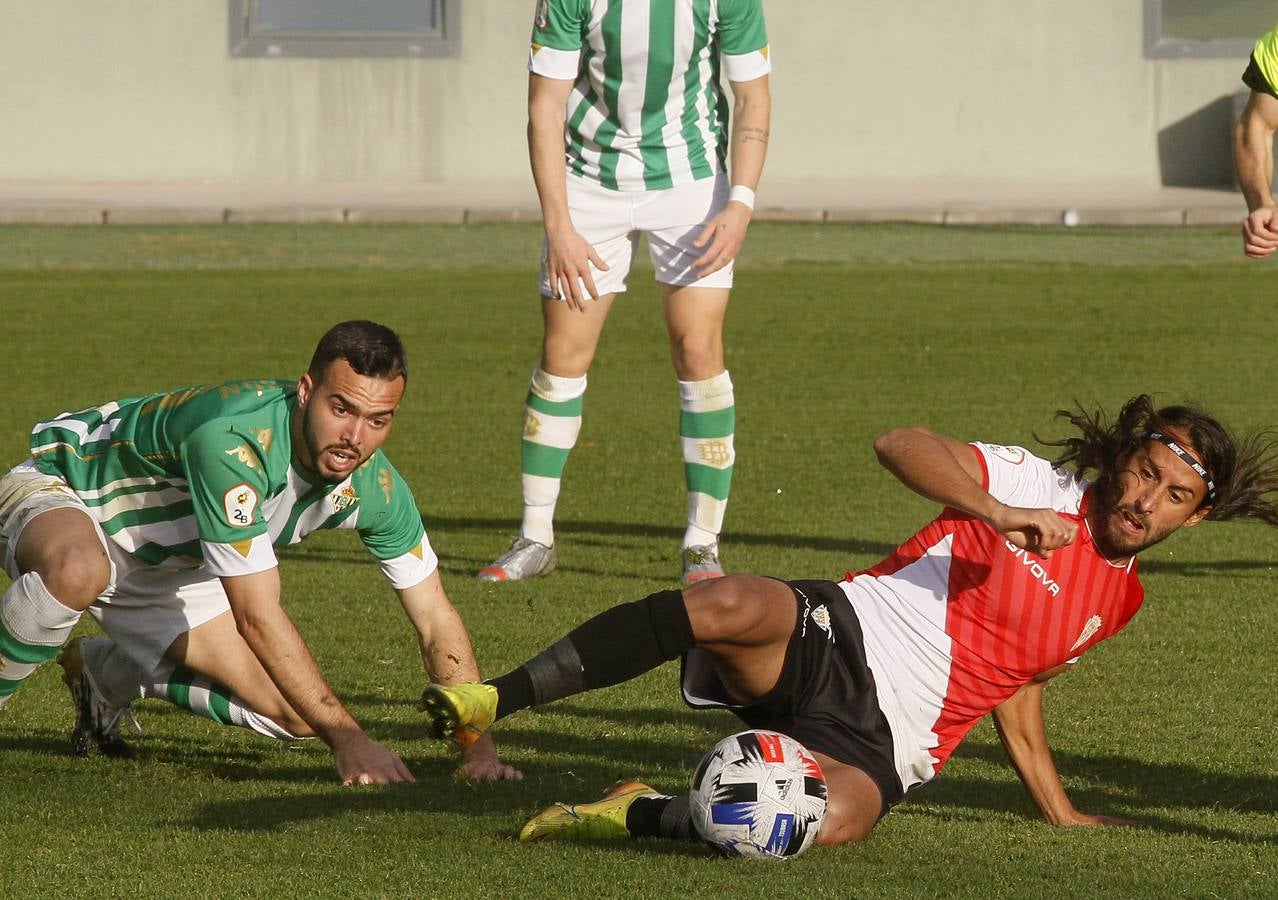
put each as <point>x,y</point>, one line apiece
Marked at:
<point>1157,46</point>
<point>249,39</point>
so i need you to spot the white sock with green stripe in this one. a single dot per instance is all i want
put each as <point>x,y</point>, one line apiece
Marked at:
<point>120,681</point>
<point>552,420</point>
<point>706,424</point>
<point>195,693</point>
<point>33,628</point>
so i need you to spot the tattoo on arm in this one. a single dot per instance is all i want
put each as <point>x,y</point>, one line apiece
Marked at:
<point>748,134</point>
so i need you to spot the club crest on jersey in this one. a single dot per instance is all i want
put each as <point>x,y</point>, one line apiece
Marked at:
<point>1014,455</point>
<point>344,498</point>
<point>239,502</point>
<point>1093,625</point>
<point>1036,569</point>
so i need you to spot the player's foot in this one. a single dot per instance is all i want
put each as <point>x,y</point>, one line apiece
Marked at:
<point>97,724</point>
<point>603,820</point>
<point>701,563</point>
<point>462,711</point>
<point>524,559</point>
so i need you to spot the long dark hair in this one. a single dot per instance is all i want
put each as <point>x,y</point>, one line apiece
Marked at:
<point>1244,469</point>
<point>371,349</point>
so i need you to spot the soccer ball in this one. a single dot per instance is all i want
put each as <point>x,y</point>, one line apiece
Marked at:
<point>758,793</point>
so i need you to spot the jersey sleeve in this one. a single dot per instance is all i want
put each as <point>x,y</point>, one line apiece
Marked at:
<point>743,40</point>
<point>1017,477</point>
<point>227,477</point>
<point>1262,71</point>
<point>558,26</point>
<point>391,528</point>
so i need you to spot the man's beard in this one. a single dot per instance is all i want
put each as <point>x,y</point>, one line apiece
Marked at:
<point>317,452</point>
<point>1114,540</point>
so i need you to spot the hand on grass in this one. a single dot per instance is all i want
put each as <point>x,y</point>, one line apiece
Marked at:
<point>480,763</point>
<point>361,760</point>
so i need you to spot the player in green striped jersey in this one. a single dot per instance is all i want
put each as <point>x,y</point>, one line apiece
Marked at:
<point>628,133</point>
<point>161,514</point>
<point>1254,148</point>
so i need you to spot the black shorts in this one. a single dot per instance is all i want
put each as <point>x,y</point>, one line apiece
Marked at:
<point>825,697</point>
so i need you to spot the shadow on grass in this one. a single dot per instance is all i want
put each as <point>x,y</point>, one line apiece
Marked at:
<point>504,528</point>
<point>622,744</point>
<point>1116,785</point>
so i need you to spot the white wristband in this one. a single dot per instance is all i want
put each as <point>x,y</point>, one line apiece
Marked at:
<point>741,194</point>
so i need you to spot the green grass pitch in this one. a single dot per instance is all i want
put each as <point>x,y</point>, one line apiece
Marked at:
<point>835,334</point>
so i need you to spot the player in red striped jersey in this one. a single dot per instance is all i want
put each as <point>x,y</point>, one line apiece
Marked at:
<point>1028,565</point>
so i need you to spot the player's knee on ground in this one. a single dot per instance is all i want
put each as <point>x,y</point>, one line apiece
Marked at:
<point>77,576</point>
<point>853,805</point>
<point>839,830</point>
<point>732,607</point>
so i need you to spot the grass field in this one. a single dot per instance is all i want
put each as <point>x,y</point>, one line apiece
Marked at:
<point>836,333</point>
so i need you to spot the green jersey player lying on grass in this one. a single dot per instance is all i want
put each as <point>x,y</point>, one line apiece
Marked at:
<point>161,514</point>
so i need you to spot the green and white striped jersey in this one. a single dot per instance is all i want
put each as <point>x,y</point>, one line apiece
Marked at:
<point>647,111</point>
<point>205,476</point>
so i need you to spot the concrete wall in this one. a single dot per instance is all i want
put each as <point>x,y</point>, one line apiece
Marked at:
<point>983,90</point>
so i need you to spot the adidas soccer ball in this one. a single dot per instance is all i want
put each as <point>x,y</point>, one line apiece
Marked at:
<point>758,793</point>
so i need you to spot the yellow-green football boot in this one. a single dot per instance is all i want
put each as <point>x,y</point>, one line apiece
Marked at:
<point>603,820</point>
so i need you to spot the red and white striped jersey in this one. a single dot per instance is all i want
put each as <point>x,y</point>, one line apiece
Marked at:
<point>957,619</point>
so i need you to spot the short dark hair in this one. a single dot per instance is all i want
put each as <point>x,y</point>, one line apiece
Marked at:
<point>1244,469</point>
<point>371,349</point>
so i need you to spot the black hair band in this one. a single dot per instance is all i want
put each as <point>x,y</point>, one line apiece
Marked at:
<point>1186,458</point>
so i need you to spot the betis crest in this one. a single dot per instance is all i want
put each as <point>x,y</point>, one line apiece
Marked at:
<point>344,498</point>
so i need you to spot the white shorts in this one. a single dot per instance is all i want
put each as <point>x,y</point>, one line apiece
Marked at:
<point>144,608</point>
<point>672,218</point>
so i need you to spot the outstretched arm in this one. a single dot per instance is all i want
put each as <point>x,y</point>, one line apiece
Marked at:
<point>1254,161</point>
<point>449,659</point>
<point>946,470</point>
<point>270,633</point>
<point>1019,721</point>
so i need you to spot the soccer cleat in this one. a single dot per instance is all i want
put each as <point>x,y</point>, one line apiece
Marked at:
<point>464,711</point>
<point>97,725</point>
<point>701,563</point>
<point>524,559</point>
<point>603,820</point>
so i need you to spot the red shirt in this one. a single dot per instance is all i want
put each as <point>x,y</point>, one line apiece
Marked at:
<point>958,619</point>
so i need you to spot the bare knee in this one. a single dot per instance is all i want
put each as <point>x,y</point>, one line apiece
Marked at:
<point>729,608</point>
<point>853,806</point>
<point>842,830</point>
<point>76,576</point>
<point>698,357</point>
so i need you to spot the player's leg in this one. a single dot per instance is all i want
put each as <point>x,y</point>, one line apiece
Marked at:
<point>213,672</point>
<point>54,552</point>
<point>743,622</point>
<point>553,409</point>
<point>854,802</point>
<point>632,809</point>
<point>173,638</point>
<point>695,308</point>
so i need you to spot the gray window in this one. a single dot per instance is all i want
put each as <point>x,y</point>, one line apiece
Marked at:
<point>408,28</point>
<point>1206,28</point>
